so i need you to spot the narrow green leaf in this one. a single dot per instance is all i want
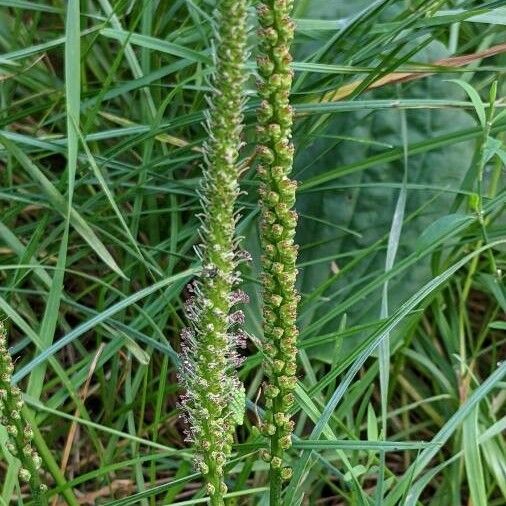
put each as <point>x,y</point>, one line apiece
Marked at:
<point>32,6</point>
<point>87,325</point>
<point>479,106</point>
<point>72,94</point>
<point>155,44</point>
<point>371,445</point>
<point>440,228</point>
<point>59,203</point>
<point>472,459</point>
<point>426,456</point>
<point>292,494</point>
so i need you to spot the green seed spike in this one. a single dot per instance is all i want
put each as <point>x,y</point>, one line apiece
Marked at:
<point>277,197</point>
<point>209,360</point>
<point>19,431</point>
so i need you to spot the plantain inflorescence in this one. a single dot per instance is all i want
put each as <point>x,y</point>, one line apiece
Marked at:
<point>19,431</point>
<point>278,222</point>
<point>209,358</point>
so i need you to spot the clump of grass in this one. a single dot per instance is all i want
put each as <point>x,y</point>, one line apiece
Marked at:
<point>277,197</point>
<point>19,431</point>
<point>210,358</point>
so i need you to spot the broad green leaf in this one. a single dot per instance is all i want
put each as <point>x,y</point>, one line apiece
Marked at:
<point>355,190</point>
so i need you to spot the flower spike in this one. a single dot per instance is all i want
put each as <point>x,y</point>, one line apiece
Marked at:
<point>213,393</point>
<point>19,432</point>
<point>277,197</point>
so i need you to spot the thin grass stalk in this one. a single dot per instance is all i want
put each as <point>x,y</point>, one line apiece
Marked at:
<point>278,222</point>
<point>209,357</point>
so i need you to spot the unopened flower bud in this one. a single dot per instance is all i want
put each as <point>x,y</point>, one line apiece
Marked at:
<point>286,473</point>
<point>24,475</point>
<point>276,462</point>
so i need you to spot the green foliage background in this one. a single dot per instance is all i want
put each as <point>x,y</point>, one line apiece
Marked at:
<point>101,110</point>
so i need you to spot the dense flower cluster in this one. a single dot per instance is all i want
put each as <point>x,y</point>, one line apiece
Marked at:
<point>19,432</point>
<point>277,197</point>
<point>209,357</point>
